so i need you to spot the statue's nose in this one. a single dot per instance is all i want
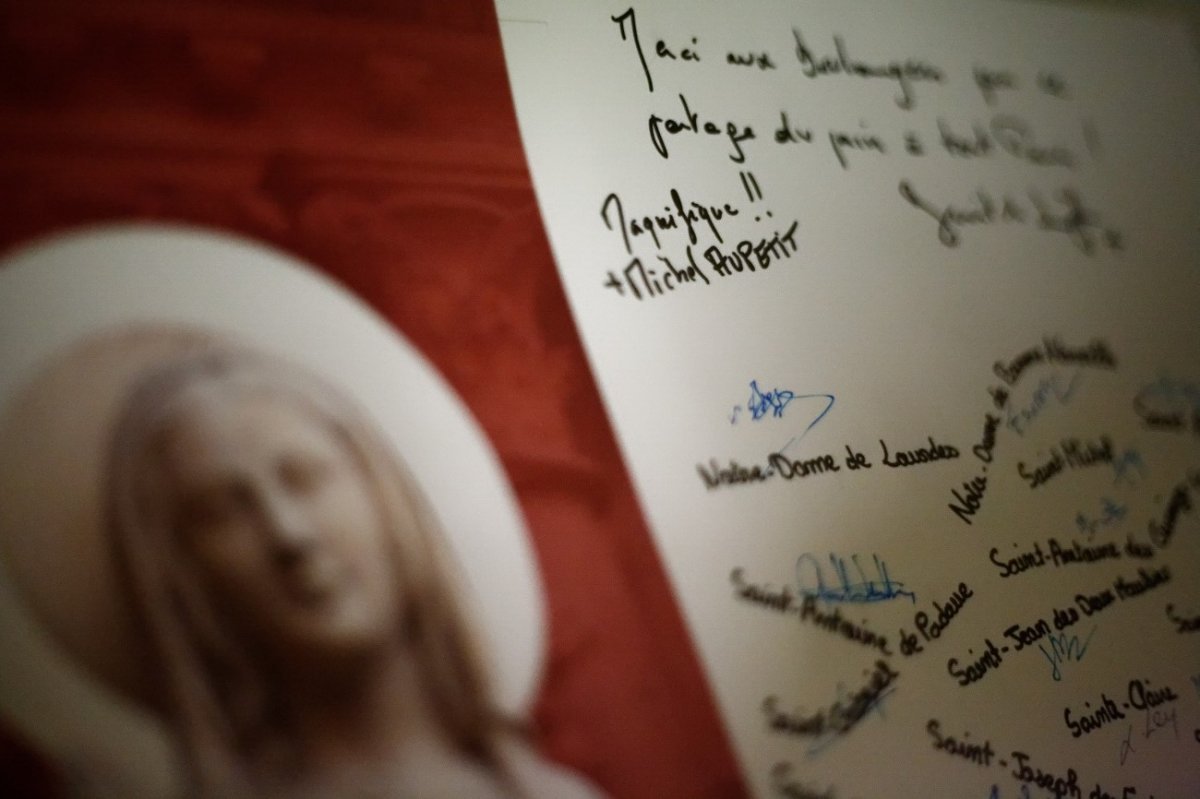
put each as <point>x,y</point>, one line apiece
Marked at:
<point>288,525</point>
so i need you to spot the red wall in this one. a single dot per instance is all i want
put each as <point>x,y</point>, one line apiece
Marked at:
<point>380,144</point>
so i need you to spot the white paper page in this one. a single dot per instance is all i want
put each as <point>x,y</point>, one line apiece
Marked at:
<point>894,308</point>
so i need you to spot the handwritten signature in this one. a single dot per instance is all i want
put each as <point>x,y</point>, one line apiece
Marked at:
<point>1019,420</point>
<point>771,404</point>
<point>810,581</point>
<point>1111,513</point>
<point>1063,649</point>
<point>1128,467</point>
<point>1171,390</point>
<point>829,724</point>
<point>850,709</point>
<point>1066,214</point>
<point>1166,403</point>
<point>1156,720</point>
<point>761,403</point>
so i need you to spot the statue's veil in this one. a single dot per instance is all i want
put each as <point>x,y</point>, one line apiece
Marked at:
<point>219,703</point>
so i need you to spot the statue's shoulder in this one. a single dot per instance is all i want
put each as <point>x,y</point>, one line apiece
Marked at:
<point>543,779</point>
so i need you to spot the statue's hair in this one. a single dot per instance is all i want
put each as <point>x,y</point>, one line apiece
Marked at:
<point>221,707</point>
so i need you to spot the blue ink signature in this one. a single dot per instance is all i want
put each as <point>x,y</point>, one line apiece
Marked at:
<point>873,704</point>
<point>772,403</point>
<point>811,424</point>
<point>1112,513</point>
<point>1126,464</point>
<point>1051,386</point>
<point>763,402</point>
<point>1064,648</point>
<point>879,589</point>
<point>1172,392</point>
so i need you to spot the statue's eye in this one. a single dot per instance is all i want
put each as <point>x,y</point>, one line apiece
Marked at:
<point>302,473</point>
<point>214,507</point>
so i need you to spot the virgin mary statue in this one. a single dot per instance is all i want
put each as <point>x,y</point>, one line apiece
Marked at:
<point>290,581</point>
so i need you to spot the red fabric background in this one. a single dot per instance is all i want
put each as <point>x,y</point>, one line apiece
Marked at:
<point>377,141</point>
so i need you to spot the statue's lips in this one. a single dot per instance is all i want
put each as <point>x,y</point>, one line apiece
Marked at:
<point>313,581</point>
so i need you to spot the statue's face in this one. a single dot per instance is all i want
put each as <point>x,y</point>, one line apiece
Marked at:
<point>277,519</point>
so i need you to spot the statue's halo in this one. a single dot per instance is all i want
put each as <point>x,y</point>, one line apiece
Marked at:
<point>81,313</point>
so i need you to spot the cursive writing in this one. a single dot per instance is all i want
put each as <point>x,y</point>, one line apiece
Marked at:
<point>772,401</point>
<point>983,210</point>
<point>1168,403</point>
<point>918,455</point>
<point>1065,213</point>
<point>844,714</point>
<point>682,214</point>
<point>692,122</point>
<point>835,623</point>
<point>979,754</point>
<point>1184,624</point>
<point>785,786</point>
<point>905,73</point>
<point>1053,387</point>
